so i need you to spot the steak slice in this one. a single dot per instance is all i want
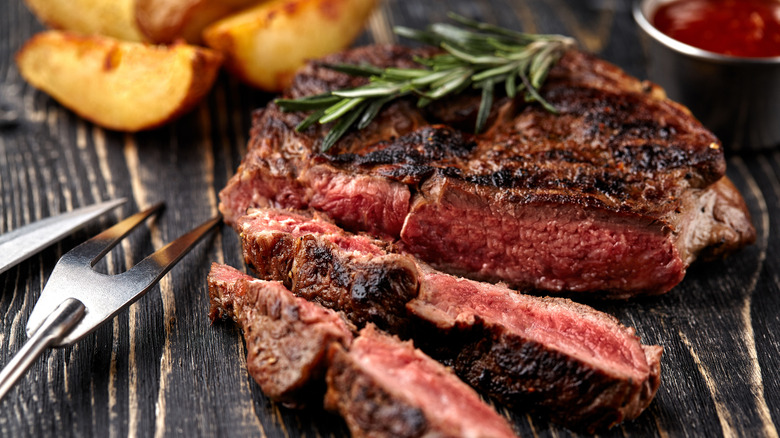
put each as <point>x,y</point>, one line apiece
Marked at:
<point>287,338</point>
<point>577,364</point>
<point>386,388</point>
<point>571,361</point>
<point>350,273</point>
<point>616,195</point>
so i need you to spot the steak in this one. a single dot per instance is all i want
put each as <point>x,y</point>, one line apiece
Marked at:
<point>382,386</point>
<point>579,365</point>
<point>319,262</point>
<point>287,338</point>
<point>614,196</point>
<point>386,388</point>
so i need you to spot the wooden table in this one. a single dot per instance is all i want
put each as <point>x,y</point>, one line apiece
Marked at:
<point>162,369</point>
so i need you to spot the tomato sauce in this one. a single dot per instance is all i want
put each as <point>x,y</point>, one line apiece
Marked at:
<point>746,28</point>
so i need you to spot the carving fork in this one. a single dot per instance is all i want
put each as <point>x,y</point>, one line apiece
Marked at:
<point>77,299</point>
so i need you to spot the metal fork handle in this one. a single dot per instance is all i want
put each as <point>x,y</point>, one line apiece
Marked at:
<point>55,327</point>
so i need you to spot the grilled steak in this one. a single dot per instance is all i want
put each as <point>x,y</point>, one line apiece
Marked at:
<point>319,262</point>
<point>550,354</point>
<point>287,338</point>
<point>382,387</point>
<point>514,346</point>
<point>386,388</point>
<point>616,195</point>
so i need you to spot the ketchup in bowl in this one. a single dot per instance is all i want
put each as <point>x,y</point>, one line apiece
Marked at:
<point>744,28</point>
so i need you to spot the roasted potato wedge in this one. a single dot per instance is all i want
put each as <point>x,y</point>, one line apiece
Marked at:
<point>266,44</point>
<point>165,21</point>
<point>114,18</point>
<point>118,85</point>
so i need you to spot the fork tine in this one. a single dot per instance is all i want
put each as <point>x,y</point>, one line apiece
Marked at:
<point>106,295</point>
<point>95,248</point>
<point>77,299</point>
<point>156,265</point>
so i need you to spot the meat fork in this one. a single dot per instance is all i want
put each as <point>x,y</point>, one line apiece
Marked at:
<point>77,299</point>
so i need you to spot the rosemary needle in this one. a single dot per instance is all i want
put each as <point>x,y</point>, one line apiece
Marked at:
<point>476,55</point>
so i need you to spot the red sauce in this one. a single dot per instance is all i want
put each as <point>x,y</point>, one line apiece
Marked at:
<point>746,28</point>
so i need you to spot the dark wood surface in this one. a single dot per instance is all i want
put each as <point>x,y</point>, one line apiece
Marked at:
<point>161,368</point>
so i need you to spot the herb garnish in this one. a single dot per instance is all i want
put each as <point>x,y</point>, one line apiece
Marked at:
<point>477,55</point>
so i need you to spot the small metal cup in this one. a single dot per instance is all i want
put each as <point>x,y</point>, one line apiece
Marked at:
<point>737,98</point>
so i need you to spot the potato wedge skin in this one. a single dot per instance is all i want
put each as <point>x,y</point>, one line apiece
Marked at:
<point>166,21</point>
<point>265,45</point>
<point>113,18</point>
<point>119,85</point>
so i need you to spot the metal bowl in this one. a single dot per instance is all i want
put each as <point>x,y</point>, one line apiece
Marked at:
<point>737,98</point>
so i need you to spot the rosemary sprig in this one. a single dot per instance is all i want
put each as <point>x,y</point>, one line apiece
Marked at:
<point>476,55</point>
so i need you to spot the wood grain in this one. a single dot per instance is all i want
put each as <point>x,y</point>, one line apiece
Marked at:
<point>162,369</point>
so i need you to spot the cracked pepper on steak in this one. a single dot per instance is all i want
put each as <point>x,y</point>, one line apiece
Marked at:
<point>615,195</point>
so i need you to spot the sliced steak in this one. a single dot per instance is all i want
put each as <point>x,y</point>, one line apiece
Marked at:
<point>287,338</point>
<point>579,365</point>
<point>548,354</point>
<point>319,262</point>
<point>386,388</point>
<point>615,195</point>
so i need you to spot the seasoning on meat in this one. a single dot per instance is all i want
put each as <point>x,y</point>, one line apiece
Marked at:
<point>579,365</point>
<point>380,385</point>
<point>386,388</point>
<point>287,338</point>
<point>319,262</point>
<point>537,353</point>
<point>616,195</point>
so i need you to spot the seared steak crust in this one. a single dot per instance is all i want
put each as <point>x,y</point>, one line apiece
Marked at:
<point>370,411</point>
<point>382,386</point>
<point>583,399</point>
<point>316,260</point>
<point>464,325</point>
<point>548,354</point>
<point>618,164</point>
<point>287,338</point>
<point>386,388</point>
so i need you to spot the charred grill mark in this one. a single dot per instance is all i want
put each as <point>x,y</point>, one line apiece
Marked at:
<point>643,129</point>
<point>424,146</point>
<point>365,290</point>
<point>611,140</point>
<point>500,178</point>
<point>406,173</point>
<point>608,185</point>
<point>615,117</point>
<point>413,157</point>
<point>608,139</point>
<point>653,157</point>
<point>582,179</point>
